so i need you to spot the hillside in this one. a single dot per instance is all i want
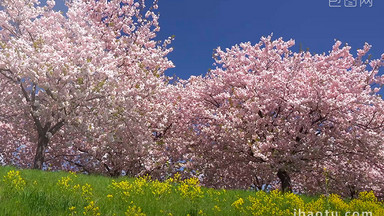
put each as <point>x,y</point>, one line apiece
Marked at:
<point>31,192</point>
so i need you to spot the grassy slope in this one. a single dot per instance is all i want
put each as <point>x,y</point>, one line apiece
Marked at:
<point>42,195</point>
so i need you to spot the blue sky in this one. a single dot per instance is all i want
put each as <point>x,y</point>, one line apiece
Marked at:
<point>202,25</point>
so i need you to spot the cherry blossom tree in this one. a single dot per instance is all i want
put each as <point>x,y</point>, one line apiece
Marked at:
<point>267,115</point>
<point>73,83</point>
<point>86,90</point>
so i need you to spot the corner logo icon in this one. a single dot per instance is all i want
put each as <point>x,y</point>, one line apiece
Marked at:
<point>350,3</point>
<point>334,3</point>
<point>367,2</point>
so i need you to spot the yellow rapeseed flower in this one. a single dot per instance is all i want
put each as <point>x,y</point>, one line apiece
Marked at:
<point>190,189</point>
<point>134,211</point>
<point>238,203</point>
<point>91,209</point>
<point>14,181</point>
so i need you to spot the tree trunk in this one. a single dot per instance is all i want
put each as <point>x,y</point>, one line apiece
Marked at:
<point>353,193</point>
<point>40,152</point>
<point>285,180</point>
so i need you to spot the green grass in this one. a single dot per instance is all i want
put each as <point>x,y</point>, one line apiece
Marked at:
<point>42,196</point>
<point>40,193</point>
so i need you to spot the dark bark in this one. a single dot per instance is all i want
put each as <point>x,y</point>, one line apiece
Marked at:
<point>40,152</point>
<point>285,180</point>
<point>353,193</point>
<point>43,141</point>
<point>112,172</point>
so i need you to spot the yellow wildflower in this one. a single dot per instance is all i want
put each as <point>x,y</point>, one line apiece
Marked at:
<point>238,203</point>
<point>14,180</point>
